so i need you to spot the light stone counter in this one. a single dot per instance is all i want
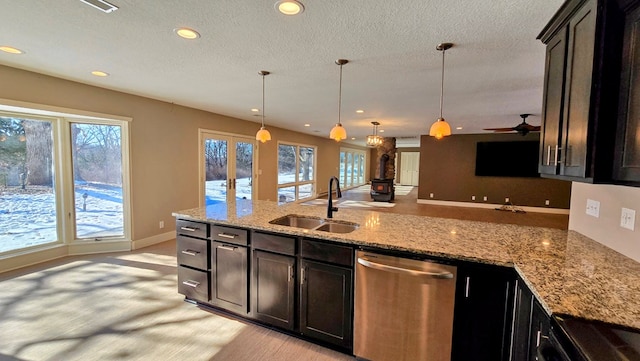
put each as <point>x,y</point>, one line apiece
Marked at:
<point>570,273</point>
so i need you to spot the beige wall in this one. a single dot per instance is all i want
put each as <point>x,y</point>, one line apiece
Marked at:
<point>447,169</point>
<point>606,228</point>
<point>164,143</point>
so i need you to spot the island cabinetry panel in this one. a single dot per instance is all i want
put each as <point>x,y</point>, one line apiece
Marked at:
<point>580,92</point>
<point>627,150</point>
<point>483,313</point>
<point>229,277</point>
<point>521,344</point>
<point>193,259</point>
<point>273,279</point>
<point>326,292</point>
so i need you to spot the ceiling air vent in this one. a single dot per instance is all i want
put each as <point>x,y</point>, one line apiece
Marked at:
<point>101,5</point>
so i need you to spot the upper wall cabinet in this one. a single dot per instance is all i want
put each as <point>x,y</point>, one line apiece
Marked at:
<point>582,69</point>
<point>627,150</point>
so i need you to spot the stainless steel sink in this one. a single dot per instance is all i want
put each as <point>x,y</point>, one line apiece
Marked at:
<point>337,227</point>
<point>316,224</point>
<point>294,220</point>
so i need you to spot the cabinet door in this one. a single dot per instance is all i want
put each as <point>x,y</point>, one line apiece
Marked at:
<point>522,314</point>
<point>627,152</point>
<point>229,275</point>
<point>326,302</point>
<point>483,314</point>
<point>540,327</point>
<point>553,103</point>
<point>578,83</point>
<point>273,287</point>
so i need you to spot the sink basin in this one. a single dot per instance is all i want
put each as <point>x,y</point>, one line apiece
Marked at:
<point>337,227</point>
<point>314,223</point>
<point>293,220</point>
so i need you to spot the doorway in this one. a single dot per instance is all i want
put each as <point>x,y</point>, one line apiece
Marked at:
<point>226,167</point>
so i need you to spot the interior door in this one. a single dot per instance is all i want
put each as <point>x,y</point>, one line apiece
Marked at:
<point>226,167</point>
<point>409,161</point>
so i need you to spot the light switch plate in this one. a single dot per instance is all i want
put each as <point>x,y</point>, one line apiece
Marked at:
<point>628,218</point>
<point>593,208</point>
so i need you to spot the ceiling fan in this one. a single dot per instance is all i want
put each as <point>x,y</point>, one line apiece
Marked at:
<point>523,128</point>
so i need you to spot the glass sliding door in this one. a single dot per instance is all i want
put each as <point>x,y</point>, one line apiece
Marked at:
<point>96,153</point>
<point>28,200</point>
<point>352,167</point>
<point>227,167</point>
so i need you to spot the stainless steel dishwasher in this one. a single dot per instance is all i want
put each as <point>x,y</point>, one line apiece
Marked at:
<point>403,308</point>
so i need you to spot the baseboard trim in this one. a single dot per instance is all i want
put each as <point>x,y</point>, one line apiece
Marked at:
<point>150,241</point>
<point>91,247</point>
<point>493,206</point>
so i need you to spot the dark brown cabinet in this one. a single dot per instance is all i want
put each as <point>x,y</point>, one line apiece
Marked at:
<point>273,280</point>
<point>531,325</point>
<point>193,259</point>
<point>483,313</point>
<point>580,91</point>
<point>229,277</point>
<point>627,149</point>
<point>326,292</point>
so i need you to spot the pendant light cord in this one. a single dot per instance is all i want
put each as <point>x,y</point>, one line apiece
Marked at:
<point>442,84</point>
<point>263,100</point>
<point>340,97</point>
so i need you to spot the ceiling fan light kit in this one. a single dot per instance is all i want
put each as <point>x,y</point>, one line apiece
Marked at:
<point>441,128</point>
<point>338,132</point>
<point>263,134</point>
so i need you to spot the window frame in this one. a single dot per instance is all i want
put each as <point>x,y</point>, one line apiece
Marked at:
<point>297,183</point>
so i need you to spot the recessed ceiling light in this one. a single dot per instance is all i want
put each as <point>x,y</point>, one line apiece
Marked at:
<point>187,33</point>
<point>255,110</point>
<point>99,73</point>
<point>353,138</point>
<point>381,130</point>
<point>307,125</point>
<point>11,50</point>
<point>459,128</point>
<point>289,7</point>
<point>360,111</point>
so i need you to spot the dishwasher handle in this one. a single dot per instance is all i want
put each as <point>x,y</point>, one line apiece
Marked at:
<point>389,268</point>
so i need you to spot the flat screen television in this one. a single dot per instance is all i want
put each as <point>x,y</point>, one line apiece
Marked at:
<point>507,159</point>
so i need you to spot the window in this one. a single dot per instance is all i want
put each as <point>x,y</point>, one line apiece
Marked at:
<point>38,186</point>
<point>352,166</point>
<point>296,172</point>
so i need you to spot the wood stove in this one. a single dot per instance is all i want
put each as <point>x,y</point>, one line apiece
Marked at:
<point>382,189</point>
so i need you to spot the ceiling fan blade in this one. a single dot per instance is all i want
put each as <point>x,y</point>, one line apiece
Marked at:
<point>500,129</point>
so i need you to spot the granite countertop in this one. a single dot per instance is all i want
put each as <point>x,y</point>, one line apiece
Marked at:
<point>569,273</point>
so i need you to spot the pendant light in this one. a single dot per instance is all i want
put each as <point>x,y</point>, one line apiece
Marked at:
<point>374,140</point>
<point>263,134</point>
<point>338,132</point>
<point>441,128</point>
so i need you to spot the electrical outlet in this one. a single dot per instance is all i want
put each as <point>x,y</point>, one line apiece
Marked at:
<point>430,195</point>
<point>628,218</point>
<point>506,199</point>
<point>161,224</point>
<point>546,202</point>
<point>593,208</point>
<point>485,198</point>
<point>473,198</point>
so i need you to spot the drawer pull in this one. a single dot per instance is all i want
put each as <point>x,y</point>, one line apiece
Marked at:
<point>191,283</point>
<point>227,248</point>
<point>190,252</point>
<point>190,229</point>
<point>227,235</point>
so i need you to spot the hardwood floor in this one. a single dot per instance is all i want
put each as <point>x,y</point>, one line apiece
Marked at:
<point>125,306</point>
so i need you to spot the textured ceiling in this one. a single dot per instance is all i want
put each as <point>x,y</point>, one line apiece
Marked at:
<point>493,73</point>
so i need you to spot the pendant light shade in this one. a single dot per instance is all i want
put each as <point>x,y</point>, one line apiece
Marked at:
<point>374,140</point>
<point>263,134</point>
<point>441,128</point>
<point>338,132</point>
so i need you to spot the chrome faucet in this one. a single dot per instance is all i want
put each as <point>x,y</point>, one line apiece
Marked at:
<point>330,207</point>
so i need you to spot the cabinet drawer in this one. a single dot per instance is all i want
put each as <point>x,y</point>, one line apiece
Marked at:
<point>274,243</point>
<point>191,228</point>
<point>229,235</point>
<point>327,252</point>
<point>193,284</point>
<point>193,252</point>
